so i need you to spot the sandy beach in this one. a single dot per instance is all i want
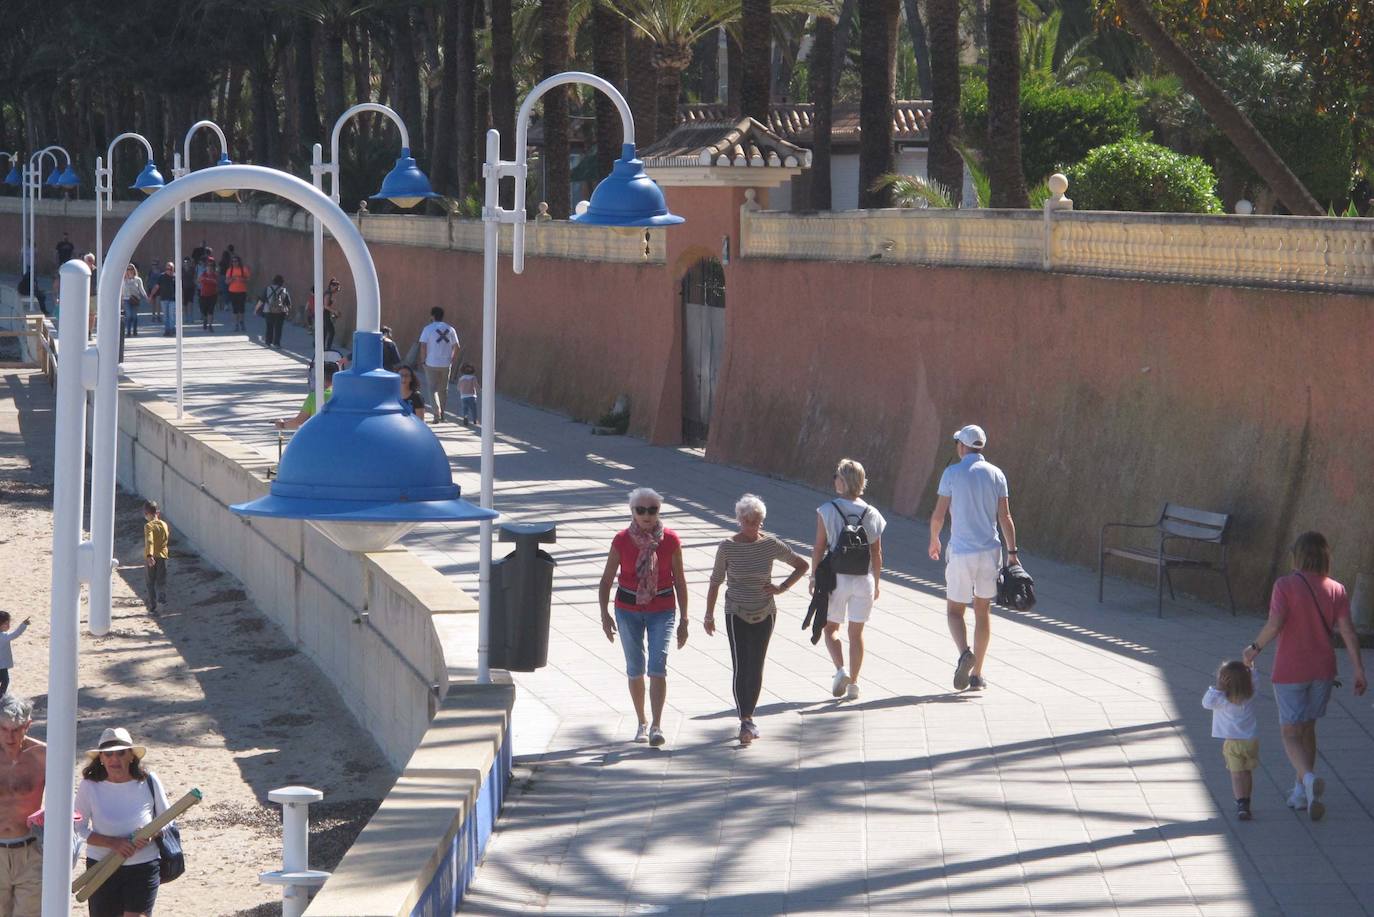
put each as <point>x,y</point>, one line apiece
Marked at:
<point>217,693</point>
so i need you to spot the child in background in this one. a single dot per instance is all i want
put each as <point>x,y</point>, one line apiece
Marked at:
<point>155,538</point>
<point>1232,702</point>
<point>467,393</point>
<point>6,652</point>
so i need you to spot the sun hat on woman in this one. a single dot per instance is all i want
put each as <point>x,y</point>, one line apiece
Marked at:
<point>117,738</point>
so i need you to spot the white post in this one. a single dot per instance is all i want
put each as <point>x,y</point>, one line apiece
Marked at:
<point>491,227</point>
<point>296,877</point>
<point>99,223</point>
<point>317,175</point>
<point>177,172</point>
<point>71,564</point>
<point>1058,184</point>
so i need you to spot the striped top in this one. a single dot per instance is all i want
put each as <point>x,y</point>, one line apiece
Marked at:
<point>746,567</point>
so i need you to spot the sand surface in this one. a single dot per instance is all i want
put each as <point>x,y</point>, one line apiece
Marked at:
<point>210,685</point>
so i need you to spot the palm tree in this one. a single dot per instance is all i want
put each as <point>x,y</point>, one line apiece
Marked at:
<point>503,85</point>
<point>756,22</point>
<point>878,23</point>
<point>919,45</point>
<point>823,96</point>
<point>944,164</point>
<point>1225,114</point>
<point>557,171</point>
<point>642,82</point>
<point>1004,105</point>
<point>608,62</point>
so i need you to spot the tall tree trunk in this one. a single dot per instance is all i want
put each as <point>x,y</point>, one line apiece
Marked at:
<point>444,154</point>
<point>427,26</point>
<point>878,26</point>
<point>262,82</point>
<point>734,77</point>
<point>1232,122</point>
<point>823,97</point>
<point>362,79</point>
<point>944,164</point>
<point>1004,106</point>
<point>608,62</point>
<point>405,70</point>
<point>465,115</point>
<point>756,24</point>
<point>332,70</point>
<point>919,45</point>
<point>707,54</point>
<point>980,30</point>
<point>670,62</point>
<point>642,81</point>
<point>844,29</point>
<point>503,86</point>
<point>557,171</point>
<point>233,105</point>
<point>308,121</point>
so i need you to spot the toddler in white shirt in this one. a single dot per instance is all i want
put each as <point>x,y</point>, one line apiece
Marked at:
<point>1232,702</point>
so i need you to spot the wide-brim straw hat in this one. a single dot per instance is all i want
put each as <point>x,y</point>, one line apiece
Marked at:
<point>116,739</point>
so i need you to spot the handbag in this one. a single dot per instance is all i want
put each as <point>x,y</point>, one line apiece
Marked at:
<point>171,858</point>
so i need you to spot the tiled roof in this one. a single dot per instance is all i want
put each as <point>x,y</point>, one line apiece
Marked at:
<point>724,143</point>
<point>792,120</point>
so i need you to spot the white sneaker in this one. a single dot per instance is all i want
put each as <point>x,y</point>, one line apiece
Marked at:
<point>642,733</point>
<point>1297,799</point>
<point>1313,787</point>
<point>853,692</point>
<point>839,684</point>
<point>656,737</point>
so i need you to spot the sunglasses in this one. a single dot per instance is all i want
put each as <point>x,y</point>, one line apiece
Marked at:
<point>646,510</point>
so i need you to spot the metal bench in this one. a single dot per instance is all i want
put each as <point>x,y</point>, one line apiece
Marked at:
<point>1175,523</point>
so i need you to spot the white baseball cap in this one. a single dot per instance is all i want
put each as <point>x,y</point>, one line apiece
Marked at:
<point>972,436</point>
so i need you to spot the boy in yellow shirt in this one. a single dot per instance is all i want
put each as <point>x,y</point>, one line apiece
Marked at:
<point>155,538</point>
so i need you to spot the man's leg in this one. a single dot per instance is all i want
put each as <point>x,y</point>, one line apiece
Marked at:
<point>28,881</point>
<point>856,649</point>
<point>982,631</point>
<point>954,617</point>
<point>10,874</point>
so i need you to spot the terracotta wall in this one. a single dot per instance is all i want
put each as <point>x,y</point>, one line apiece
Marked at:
<point>1102,398</point>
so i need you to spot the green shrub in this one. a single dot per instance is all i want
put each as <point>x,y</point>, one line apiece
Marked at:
<point>1317,146</point>
<point>1137,175</point>
<point>1059,124</point>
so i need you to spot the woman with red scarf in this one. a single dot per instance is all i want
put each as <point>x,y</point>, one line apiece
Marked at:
<point>645,565</point>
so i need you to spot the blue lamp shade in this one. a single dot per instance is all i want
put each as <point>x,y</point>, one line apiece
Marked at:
<point>53,178</point>
<point>405,185</point>
<point>149,180</point>
<point>14,178</point>
<point>224,160</point>
<point>627,197</point>
<point>365,469</point>
<point>69,178</point>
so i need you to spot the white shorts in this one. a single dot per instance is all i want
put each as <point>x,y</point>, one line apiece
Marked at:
<point>970,576</point>
<point>853,595</point>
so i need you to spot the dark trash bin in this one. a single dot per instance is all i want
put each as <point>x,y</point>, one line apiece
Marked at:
<point>522,598</point>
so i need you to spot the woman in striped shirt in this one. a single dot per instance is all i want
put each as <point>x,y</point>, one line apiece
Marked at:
<point>744,563</point>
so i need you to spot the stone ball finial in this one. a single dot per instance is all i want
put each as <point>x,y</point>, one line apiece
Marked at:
<point>1244,207</point>
<point>1058,183</point>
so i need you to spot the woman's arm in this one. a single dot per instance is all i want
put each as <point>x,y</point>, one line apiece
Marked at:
<point>875,559</point>
<point>603,593</point>
<point>680,587</point>
<point>799,568</point>
<point>1352,648</point>
<point>709,622</point>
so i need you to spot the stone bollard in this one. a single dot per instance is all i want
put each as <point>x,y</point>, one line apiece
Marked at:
<point>296,877</point>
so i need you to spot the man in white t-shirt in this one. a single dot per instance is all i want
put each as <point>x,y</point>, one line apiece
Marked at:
<point>974,493</point>
<point>439,347</point>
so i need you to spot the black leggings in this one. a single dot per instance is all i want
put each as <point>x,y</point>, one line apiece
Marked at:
<point>748,650</point>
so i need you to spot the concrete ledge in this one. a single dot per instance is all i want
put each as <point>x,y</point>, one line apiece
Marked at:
<point>417,854</point>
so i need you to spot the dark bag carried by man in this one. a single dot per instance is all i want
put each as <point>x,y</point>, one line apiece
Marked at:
<point>172,859</point>
<point>1015,588</point>
<point>851,552</point>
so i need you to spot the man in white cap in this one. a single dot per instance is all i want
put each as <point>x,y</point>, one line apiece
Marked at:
<point>973,492</point>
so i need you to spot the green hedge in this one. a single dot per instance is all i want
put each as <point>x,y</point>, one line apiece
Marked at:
<point>1059,124</point>
<point>1317,146</point>
<point>1138,175</point>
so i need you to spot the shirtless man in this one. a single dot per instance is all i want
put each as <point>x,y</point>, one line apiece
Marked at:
<point>22,763</point>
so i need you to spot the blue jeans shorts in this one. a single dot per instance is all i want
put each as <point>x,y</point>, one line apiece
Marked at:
<point>635,628</point>
<point>1303,701</point>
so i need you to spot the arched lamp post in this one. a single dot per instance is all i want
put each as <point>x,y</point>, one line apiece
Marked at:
<point>626,197</point>
<point>148,181</point>
<point>180,168</point>
<point>405,186</point>
<point>396,475</point>
<point>33,192</point>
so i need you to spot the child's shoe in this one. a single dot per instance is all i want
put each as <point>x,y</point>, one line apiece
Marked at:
<point>1243,809</point>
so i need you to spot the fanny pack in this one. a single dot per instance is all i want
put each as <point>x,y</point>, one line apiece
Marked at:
<point>627,597</point>
<point>752,615</point>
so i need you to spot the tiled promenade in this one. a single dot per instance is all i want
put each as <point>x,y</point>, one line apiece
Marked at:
<point>1083,781</point>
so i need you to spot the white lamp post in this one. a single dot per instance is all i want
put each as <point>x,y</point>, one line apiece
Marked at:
<point>405,186</point>
<point>33,186</point>
<point>180,167</point>
<point>627,197</point>
<point>148,181</point>
<point>401,477</point>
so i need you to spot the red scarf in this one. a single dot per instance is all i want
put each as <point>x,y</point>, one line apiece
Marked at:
<point>646,564</point>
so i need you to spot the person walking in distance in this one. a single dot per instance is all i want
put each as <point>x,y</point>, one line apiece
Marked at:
<point>973,492</point>
<point>850,532</point>
<point>438,346</point>
<point>155,538</point>
<point>163,292</point>
<point>7,636</point>
<point>24,760</point>
<point>236,278</point>
<point>274,306</point>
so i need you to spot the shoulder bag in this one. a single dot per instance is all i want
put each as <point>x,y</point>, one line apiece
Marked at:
<point>171,858</point>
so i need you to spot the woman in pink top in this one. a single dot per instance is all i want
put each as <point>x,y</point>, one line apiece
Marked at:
<point>1305,609</point>
<point>645,566</point>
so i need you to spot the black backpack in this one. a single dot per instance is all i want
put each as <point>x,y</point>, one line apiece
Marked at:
<point>1015,588</point>
<point>851,553</point>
